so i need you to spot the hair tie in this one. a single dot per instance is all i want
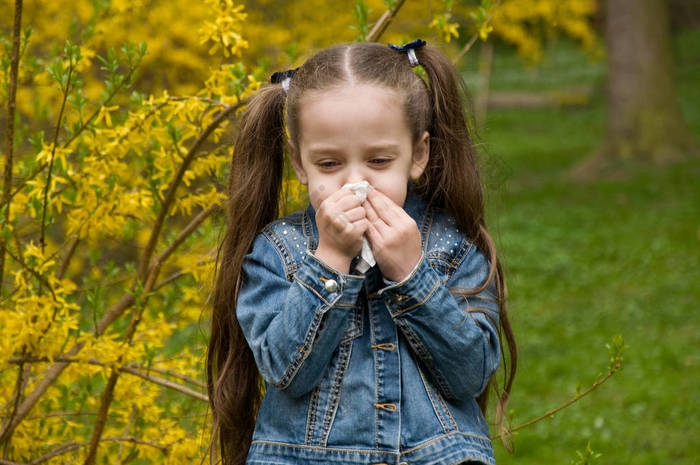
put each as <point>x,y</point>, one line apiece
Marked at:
<point>410,49</point>
<point>284,77</point>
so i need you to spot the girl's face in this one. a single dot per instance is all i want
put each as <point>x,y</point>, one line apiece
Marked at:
<point>356,133</point>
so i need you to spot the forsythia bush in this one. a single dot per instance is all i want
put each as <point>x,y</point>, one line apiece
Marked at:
<point>108,221</point>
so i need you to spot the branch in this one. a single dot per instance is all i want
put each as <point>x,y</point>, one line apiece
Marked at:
<point>108,394</point>
<point>60,450</point>
<point>10,135</point>
<point>186,231</point>
<point>383,22</point>
<point>128,299</point>
<point>170,195</point>
<point>131,369</point>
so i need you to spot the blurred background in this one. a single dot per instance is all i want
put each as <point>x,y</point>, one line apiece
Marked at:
<point>587,117</point>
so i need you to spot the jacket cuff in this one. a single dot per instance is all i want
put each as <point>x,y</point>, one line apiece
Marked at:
<point>413,290</point>
<point>334,288</point>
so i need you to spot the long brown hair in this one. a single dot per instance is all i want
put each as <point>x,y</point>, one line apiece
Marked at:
<point>450,181</point>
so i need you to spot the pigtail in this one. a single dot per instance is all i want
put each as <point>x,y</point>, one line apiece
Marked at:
<point>254,184</point>
<point>453,182</point>
<point>450,143</point>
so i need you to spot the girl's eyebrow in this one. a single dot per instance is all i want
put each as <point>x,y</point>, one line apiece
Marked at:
<point>330,150</point>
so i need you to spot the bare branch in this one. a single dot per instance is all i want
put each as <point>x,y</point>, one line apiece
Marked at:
<point>10,135</point>
<point>164,382</point>
<point>576,398</point>
<point>131,369</point>
<point>65,448</point>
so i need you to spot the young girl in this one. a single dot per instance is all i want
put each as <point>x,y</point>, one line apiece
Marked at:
<point>381,356</point>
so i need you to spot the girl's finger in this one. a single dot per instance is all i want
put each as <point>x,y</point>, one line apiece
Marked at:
<point>374,218</point>
<point>355,214</point>
<point>373,235</point>
<point>386,209</point>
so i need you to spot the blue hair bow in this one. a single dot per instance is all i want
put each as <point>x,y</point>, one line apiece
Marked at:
<point>280,76</point>
<point>418,43</point>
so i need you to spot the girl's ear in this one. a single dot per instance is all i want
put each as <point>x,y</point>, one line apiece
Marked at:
<point>295,156</point>
<point>421,154</point>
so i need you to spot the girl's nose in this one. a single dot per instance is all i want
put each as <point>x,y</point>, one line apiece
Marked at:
<point>354,175</point>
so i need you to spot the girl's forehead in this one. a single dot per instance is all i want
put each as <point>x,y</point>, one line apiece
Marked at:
<point>348,90</point>
<point>358,110</point>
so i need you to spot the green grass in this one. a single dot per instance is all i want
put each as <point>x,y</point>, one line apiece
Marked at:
<point>585,262</point>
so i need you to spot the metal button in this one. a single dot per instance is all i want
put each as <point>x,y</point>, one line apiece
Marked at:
<point>403,463</point>
<point>331,285</point>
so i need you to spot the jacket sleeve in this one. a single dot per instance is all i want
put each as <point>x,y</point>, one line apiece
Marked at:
<point>455,337</point>
<point>281,320</point>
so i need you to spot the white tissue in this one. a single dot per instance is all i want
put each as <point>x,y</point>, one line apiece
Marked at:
<point>366,260</point>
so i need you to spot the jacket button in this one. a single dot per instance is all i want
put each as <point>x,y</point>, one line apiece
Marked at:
<point>403,463</point>
<point>330,285</point>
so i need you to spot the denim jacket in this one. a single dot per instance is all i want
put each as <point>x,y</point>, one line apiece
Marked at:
<point>364,370</point>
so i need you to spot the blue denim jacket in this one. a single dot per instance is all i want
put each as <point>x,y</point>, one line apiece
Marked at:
<point>371,372</point>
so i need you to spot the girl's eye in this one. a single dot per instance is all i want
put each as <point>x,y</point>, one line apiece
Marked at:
<point>380,161</point>
<point>328,164</point>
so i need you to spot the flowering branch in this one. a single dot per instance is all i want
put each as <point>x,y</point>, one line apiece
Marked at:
<point>473,38</point>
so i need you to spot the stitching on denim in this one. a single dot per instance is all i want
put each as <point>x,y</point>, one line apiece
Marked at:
<point>303,283</point>
<point>377,452</point>
<point>404,310</point>
<point>426,227</point>
<point>444,406</point>
<point>373,337</point>
<point>447,435</point>
<point>308,231</point>
<point>355,329</point>
<point>311,417</point>
<point>325,449</point>
<point>342,366</point>
<point>304,351</point>
<point>436,410</point>
<point>281,250</point>
<point>425,356</point>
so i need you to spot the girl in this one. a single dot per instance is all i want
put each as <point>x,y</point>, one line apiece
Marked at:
<point>359,364</point>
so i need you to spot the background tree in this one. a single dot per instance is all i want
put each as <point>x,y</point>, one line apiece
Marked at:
<point>644,118</point>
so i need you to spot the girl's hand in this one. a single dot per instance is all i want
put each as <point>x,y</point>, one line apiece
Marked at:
<point>341,224</point>
<point>394,236</point>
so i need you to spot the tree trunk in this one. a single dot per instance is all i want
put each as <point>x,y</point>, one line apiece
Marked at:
<point>644,118</point>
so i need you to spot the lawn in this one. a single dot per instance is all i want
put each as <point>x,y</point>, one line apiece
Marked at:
<point>585,262</point>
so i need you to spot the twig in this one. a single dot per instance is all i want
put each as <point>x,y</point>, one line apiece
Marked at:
<point>164,382</point>
<point>383,22</point>
<point>165,372</point>
<point>66,92</point>
<point>473,38</point>
<point>577,397</point>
